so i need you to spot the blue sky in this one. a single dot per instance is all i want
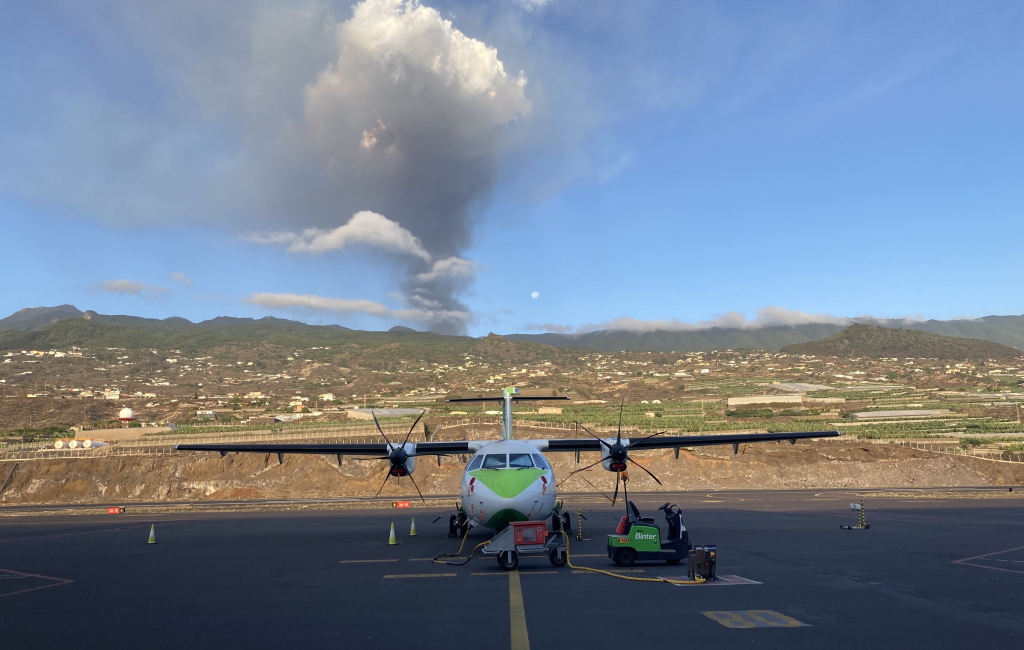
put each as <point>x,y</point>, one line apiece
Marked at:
<point>653,165</point>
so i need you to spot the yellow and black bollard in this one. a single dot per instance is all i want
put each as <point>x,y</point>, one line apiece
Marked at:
<point>579,524</point>
<point>862,520</point>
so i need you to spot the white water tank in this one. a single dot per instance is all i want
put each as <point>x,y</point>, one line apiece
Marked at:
<point>60,444</point>
<point>93,444</point>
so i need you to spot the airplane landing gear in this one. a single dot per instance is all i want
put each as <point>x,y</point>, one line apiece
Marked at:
<point>458,525</point>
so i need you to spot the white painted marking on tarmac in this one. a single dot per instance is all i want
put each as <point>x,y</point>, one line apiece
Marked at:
<point>421,575</point>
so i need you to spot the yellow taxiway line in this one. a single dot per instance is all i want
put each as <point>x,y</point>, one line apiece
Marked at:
<point>517,613</point>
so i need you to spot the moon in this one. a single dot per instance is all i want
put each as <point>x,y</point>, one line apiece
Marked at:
<point>535,294</point>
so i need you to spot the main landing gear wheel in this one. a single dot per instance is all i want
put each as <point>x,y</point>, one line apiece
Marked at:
<point>558,557</point>
<point>508,560</point>
<point>625,557</point>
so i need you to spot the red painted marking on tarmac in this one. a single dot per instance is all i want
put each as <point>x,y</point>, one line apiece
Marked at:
<point>967,560</point>
<point>56,582</point>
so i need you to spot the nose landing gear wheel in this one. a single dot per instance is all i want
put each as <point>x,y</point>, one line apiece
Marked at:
<point>508,560</point>
<point>625,557</point>
<point>558,557</point>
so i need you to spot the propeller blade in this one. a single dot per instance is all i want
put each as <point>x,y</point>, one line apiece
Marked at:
<point>386,477</point>
<point>595,436</point>
<point>644,469</point>
<point>618,437</point>
<point>595,488</point>
<point>413,427</point>
<point>577,471</point>
<point>418,487</point>
<point>390,446</point>
<point>614,498</point>
<point>633,442</point>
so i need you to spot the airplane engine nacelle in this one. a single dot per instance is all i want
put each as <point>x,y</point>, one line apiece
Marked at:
<point>403,460</point>
<point>613,456</point>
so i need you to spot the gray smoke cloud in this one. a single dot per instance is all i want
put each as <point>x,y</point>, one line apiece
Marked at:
<point>283,119</point>
<point>402,131</point>
<point>407,122</point>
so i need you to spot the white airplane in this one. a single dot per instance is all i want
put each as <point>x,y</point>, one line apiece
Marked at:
<point>507,480</point>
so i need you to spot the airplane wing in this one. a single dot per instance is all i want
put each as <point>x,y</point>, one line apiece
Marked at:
<point>380,450</point>
<point>514,398</point>
<point>669,442</point>
<point>376,449</point>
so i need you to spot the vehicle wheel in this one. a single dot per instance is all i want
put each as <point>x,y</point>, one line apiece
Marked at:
<point>558,557</point>
<point>508,560</point>
<point>673,562</point>
<point>625,557</point>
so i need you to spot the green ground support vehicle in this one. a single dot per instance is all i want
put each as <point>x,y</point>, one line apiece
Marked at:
<point>638,539</point>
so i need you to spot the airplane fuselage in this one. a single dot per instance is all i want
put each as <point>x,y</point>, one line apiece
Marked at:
<point>506,481</point>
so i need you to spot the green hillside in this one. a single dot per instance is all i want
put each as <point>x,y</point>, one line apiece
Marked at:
<point>1005,330</point>
<point>373,348</point>
<point>874,342</point>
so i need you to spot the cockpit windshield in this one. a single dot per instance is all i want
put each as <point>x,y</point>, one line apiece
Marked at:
<point>495,461</point>
<point>519,461</point>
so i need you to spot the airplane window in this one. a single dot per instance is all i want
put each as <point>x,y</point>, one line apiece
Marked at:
<point>475,463</point>
<point>519,461</point>
<point>494,461</point>
<point>539,461</point>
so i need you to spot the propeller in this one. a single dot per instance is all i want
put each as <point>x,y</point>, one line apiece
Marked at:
<point>618,455</point>
<point>599,491</point>
<point>562,482</point>
<point>398,456</point>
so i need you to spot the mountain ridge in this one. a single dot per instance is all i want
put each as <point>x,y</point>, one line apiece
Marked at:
<point>1004,330</point>
<point>860,340</point>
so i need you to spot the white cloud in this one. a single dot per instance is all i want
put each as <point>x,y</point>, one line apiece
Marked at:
<point>535,294</point>
<point>453,268</point>
<point>767,317</point>
<point>364,228</point>
<point>429,312</point>
<point>530,5</point>
<point>178,276</point>
<point>270,237</point>
<point>550,327</point>
<point>131,288</point>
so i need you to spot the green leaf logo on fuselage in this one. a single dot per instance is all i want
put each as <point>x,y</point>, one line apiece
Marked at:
<point>508,483</point>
